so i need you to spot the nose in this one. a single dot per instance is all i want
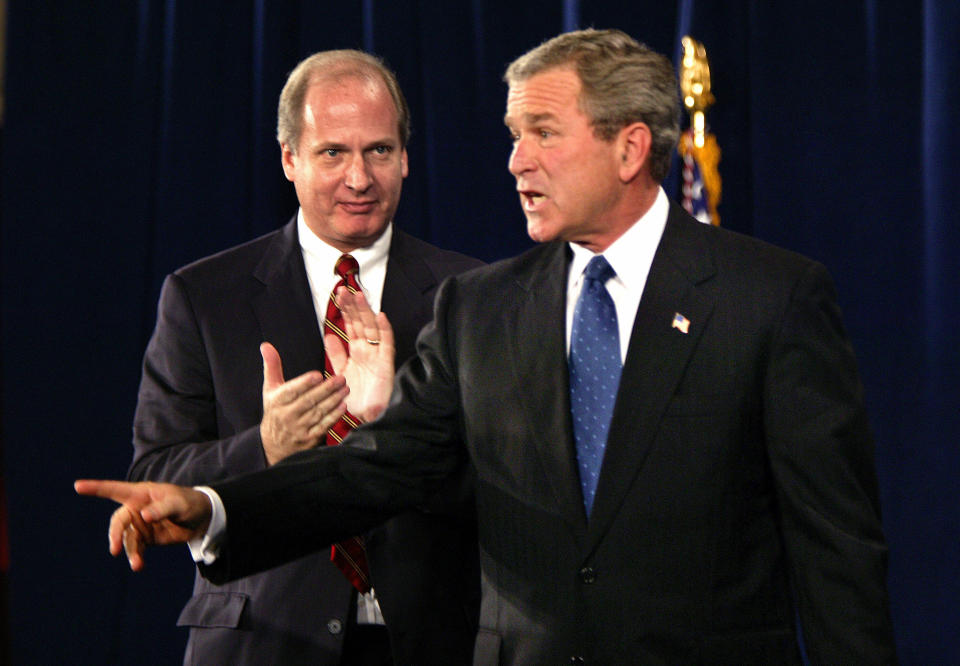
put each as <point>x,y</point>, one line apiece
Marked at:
<point>357,177</point>
<point>521,157</point>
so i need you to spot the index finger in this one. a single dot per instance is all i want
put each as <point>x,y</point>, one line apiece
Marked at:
<point>118,491</point>
<point>291,390</point>
<point>354,306</point>
<point>362,322</point>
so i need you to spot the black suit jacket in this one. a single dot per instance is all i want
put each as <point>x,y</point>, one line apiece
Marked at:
<point>737,491</point>
<point>197,422</point>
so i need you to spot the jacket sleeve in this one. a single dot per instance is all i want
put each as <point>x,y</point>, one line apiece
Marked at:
<point>821,453</point>
<point>176,437</point>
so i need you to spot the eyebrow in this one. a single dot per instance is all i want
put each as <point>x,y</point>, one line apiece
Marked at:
<point>531,118</point>
<point>336,145</point>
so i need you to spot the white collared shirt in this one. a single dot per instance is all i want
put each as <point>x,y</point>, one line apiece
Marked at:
<point>319,258</point>
<point>630,256</point>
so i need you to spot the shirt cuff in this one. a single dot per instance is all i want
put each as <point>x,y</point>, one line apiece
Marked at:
<point>206,549</point>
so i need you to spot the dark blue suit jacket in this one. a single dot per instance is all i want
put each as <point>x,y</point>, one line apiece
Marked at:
<point>197,422</point>
<point>737,493</point>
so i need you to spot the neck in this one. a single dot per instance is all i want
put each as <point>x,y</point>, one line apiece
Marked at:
<point>634,205</point>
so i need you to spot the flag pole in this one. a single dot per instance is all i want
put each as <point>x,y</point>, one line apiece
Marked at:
<point>698,147</point>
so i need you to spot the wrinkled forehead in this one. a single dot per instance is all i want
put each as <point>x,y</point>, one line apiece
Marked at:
<point>551,93</point>
<point>349,111</point>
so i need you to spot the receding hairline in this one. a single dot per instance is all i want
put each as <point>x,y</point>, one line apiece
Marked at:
<point>333,79</point>
<point>326,68</point>
<point>343,67</point>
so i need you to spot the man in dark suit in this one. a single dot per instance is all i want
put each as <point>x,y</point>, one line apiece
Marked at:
<point>201,416</point>
<point>673,462</point>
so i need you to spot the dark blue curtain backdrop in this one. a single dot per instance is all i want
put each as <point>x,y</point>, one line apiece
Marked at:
<point>139,136</point>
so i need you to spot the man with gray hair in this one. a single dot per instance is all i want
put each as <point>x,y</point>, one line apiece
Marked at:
<point>342,126</point>
<point>672,457</point>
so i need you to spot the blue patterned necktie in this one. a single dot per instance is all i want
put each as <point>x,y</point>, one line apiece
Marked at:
<point>594,372</point>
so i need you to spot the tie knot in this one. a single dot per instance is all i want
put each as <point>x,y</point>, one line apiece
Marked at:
<point>598,269</point>
<point>346,265</point>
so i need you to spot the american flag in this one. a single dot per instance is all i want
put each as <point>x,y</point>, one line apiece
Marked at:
<point>693,189</point>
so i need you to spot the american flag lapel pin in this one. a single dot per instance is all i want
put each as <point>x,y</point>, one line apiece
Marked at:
<point>681,323</point>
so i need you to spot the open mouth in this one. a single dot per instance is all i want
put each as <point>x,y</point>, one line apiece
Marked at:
<point>531,200</point>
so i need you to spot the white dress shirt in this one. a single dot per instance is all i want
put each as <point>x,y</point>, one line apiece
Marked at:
<point>320,258</point>
<point>630,256</point>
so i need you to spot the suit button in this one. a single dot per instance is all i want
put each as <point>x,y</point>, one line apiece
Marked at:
<point>588,575</point>
<point>334,626</point>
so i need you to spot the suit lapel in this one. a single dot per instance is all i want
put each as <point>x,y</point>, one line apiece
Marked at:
<point>407,281</point>
<point>284,305</point>
<point>536,342</point>
<point>656,358</point>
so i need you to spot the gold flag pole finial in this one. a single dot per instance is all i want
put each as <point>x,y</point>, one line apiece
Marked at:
<point>695,85</point>
<point>698,144</point>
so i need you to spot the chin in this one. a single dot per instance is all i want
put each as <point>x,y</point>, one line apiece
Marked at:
<point>539,232</point>
<point>363,228</point>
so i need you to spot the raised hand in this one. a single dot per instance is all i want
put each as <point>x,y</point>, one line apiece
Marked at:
<point>369,367</point>
<point>151,514</point>
<point>296,413</point>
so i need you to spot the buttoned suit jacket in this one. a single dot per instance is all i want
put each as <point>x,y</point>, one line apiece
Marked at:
<point>197,422</point>
<point>737,491</point>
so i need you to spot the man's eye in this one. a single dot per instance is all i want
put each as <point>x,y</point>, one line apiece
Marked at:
<point>331,152</point>
<point>545,134</point>
<point>382,150</point>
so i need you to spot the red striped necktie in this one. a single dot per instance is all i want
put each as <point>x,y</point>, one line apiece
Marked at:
<point>350,555</point>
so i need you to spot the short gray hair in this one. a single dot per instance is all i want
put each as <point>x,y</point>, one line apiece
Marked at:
<point>334,65</point>
<point>622,82</point>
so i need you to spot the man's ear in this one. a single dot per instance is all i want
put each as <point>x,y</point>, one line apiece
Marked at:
<point>633,143</point>
<point>287,160</point>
